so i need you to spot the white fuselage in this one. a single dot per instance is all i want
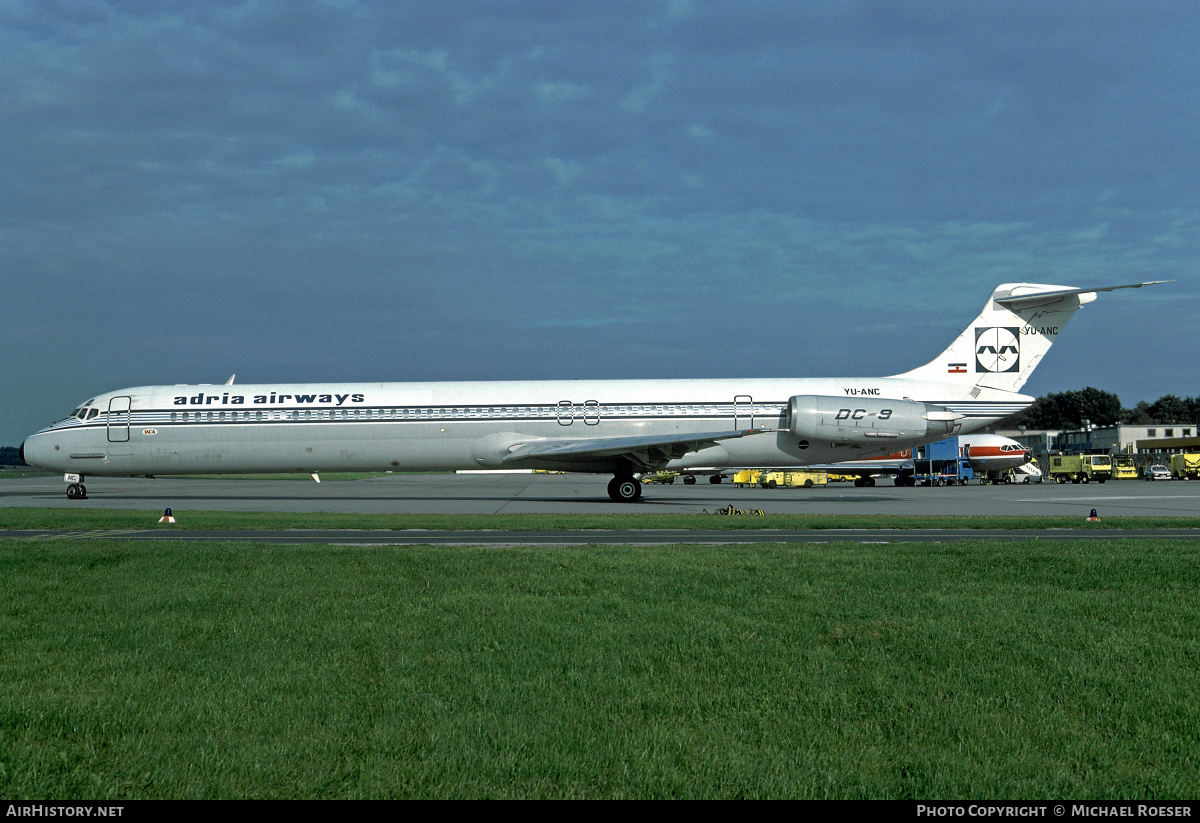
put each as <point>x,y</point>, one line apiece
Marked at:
<point>206,429</point>
<point>620,427</point>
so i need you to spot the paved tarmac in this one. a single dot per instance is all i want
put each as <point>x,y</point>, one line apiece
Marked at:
<point>541,493</point>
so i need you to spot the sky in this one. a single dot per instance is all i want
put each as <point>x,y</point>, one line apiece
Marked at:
<point>298,190</point>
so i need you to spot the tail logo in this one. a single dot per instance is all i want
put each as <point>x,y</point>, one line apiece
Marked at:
<point>997,350</point>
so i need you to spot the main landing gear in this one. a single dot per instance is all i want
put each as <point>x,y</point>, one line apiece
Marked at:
<point>625,489</point>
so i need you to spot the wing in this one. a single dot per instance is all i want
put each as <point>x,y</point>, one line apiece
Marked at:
<point>644,452</point>
<point>863,468</point>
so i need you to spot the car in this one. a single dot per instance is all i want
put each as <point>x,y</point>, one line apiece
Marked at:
<point>1156,473</point>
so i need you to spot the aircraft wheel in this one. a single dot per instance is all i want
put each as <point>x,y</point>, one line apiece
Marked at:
<point>624,489</point>
<point>76,491</point>
<point>689,480</point>
<point>714,479</point>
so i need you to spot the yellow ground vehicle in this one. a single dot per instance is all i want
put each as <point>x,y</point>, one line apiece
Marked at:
<point>1080,468</point>
<point>1124,469</point>
<point>805,478</point>
<point>775,479</point>
<point>660,477</point>
<point>1185,466</point>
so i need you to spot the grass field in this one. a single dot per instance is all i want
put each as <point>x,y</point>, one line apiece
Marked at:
<point>989,669</point>
<point>30,517</point>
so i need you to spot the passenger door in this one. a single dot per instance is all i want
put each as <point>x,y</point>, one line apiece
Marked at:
<point>118,420</point>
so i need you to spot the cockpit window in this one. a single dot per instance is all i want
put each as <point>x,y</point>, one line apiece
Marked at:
<point>83,411</point>
<point>93,413</point>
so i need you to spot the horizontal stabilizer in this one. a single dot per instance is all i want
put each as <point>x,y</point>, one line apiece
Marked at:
<point>1005,343</point>
<point>1022,301</point>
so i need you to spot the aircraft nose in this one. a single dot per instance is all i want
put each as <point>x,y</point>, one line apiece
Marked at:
<point>31,450</point>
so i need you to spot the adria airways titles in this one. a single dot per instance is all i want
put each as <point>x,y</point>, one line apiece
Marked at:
<point>617,427</point>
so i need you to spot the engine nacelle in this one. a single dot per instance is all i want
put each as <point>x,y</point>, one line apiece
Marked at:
<point>858,420</point>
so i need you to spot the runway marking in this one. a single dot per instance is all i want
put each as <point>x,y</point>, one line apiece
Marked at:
<point>85,535</point>
<point>1109,497</point>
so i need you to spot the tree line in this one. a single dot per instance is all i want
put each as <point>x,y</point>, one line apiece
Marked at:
<point>1069,410</point>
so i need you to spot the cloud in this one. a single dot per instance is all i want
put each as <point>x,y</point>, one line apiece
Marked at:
<point>661,74</point>
<point>564,171</point>
<point>339,183</point>
<point>551,94</point>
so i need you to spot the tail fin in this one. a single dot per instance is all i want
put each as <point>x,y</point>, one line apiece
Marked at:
<point>1017,326</point>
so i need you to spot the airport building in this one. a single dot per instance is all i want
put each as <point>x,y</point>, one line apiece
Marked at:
<point>1160,438</point>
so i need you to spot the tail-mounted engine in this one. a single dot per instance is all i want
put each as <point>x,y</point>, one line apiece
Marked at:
<point>855,420</point>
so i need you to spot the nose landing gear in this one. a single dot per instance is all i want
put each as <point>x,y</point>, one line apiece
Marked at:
<point>77,491</point>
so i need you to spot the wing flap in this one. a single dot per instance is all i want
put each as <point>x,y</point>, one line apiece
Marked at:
<point>645,451</point>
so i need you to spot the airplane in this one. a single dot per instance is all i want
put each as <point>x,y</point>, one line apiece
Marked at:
<point>990,456</point>
<point>618,427</point>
